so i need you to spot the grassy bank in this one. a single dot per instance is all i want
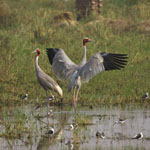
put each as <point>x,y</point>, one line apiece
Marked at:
<point>123,28</point>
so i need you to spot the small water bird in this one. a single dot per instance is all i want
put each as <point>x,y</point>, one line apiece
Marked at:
<point>145,96</point>
<point>70,145</point>
<point>71,127</point>
<point>25,97</point>
<point>138,136</point>
<point>51,131</point>
<point>120,121</point>
<point>100,135</point>
<point>50,112</point>
<point>52,97</point>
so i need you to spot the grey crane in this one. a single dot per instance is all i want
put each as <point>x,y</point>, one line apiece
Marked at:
<point>84,71</point>
<point>61,63</point>
<point>46,81</point>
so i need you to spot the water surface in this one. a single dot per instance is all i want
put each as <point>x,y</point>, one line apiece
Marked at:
<point>87,120</point>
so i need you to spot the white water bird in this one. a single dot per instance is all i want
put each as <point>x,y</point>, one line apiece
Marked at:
<point>46,81</point>
<point>51,131</point>
<point>51,98</point>
<point>100,135</point>
<point>64,68</point>
<point>71,146</point>
<point>71,127</point>
<point>138,136</point>
<point>25,97</point>
<point>120,121</point>
<point>50,112</point>
<point>145,96</point>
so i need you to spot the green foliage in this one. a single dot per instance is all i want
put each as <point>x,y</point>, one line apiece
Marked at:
<point>30,24</point>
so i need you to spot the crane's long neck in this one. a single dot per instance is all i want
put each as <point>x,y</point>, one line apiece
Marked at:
<point>84,56</point>
<point>84,53</point>
<point>36,62</point>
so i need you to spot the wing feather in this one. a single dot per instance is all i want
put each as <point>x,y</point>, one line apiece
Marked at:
<point>102,62</point>
<point>61,63</point>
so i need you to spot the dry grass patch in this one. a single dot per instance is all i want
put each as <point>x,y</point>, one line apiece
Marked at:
<point>65,18</point>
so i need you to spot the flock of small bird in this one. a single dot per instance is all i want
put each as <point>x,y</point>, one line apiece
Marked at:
<point>102,135</point>
<point>52,97</point>
<point>70,128</point>
<point>121,122</point>
<point>98,134</point>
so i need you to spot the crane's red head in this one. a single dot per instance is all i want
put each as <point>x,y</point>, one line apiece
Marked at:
<point>85,40</point>
<point>38,52</point>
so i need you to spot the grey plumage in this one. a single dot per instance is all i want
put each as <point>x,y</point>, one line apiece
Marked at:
<point>61,64</point>
<point>84,71</point>
<point>46,81</point>
<point>102,62</point>
<point>96,64</point>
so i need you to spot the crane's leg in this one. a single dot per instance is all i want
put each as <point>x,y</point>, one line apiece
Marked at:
<point>74,98</point>
<point>74,94</point>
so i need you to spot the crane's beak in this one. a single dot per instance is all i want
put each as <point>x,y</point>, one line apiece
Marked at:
<point>89,40</point>
<point>34,51</point>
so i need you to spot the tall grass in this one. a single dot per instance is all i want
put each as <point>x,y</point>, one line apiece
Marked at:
<point>30,24</point>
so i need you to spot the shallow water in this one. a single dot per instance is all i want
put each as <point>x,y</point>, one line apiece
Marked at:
<point>102,118</point>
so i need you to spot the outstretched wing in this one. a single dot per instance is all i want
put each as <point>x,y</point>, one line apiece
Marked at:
<point>102,62</point>
<point>61,63</point>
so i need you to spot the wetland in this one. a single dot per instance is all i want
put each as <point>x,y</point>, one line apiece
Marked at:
<point>30,131</point>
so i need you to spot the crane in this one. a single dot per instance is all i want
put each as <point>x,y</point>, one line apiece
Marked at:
<point>45,81</point>
<point>61,63</point>
<point>84,71</point>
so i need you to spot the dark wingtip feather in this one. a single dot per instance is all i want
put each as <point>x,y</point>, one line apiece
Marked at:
<point>114,61</point>
<point>51,52</point>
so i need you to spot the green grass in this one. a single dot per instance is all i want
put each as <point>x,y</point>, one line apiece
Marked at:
<point>29,24</point>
